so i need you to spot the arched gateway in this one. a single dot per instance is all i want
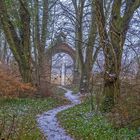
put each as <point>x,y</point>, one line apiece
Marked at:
<point>58,48</point>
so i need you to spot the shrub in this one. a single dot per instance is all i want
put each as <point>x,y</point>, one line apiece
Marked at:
<point>11,86</point>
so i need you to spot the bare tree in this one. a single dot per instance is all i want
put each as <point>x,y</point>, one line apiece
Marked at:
<point>82,19</point>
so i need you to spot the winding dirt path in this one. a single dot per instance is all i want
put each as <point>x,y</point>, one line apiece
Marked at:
<point>48,122</point>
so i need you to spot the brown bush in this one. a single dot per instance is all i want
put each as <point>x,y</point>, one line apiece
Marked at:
<point>11,86</point>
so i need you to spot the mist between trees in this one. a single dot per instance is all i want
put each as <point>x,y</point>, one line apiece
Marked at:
<point>104,35</point>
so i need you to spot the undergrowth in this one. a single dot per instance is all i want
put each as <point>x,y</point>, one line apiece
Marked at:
<point>85,125</point>
<point>18,117</point>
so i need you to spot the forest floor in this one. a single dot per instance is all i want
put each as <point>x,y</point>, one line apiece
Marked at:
<point>62,117</point>
<point>82,124</point>
<point>18,115</point>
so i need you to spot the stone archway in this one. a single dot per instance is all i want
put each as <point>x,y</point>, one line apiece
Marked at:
<point>58,48</point>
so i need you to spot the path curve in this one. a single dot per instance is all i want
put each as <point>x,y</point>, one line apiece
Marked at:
<point>48,122</point>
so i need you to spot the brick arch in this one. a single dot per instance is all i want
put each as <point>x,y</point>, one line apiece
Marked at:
<point>61,48</point>
<point>58,48</point>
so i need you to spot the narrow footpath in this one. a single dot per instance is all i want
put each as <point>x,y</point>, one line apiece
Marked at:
<point>48,122</point>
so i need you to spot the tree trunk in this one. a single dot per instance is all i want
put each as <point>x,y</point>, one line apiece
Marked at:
<point>85,81</point>
<point>113,57</point>
<point>19,43</point>
<point>112,42</point>
<point>111,91</point>
<point>26,73</point>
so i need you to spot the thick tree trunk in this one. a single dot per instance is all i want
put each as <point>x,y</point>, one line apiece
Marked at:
<point>111,91</point>
<point>19,43</point>
<point>112,42</point>
<point>26,73</point>
<point>113,57</point>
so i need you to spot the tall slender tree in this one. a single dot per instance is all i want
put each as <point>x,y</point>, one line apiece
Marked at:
<point>40,36</point>
<point>85,46</point>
